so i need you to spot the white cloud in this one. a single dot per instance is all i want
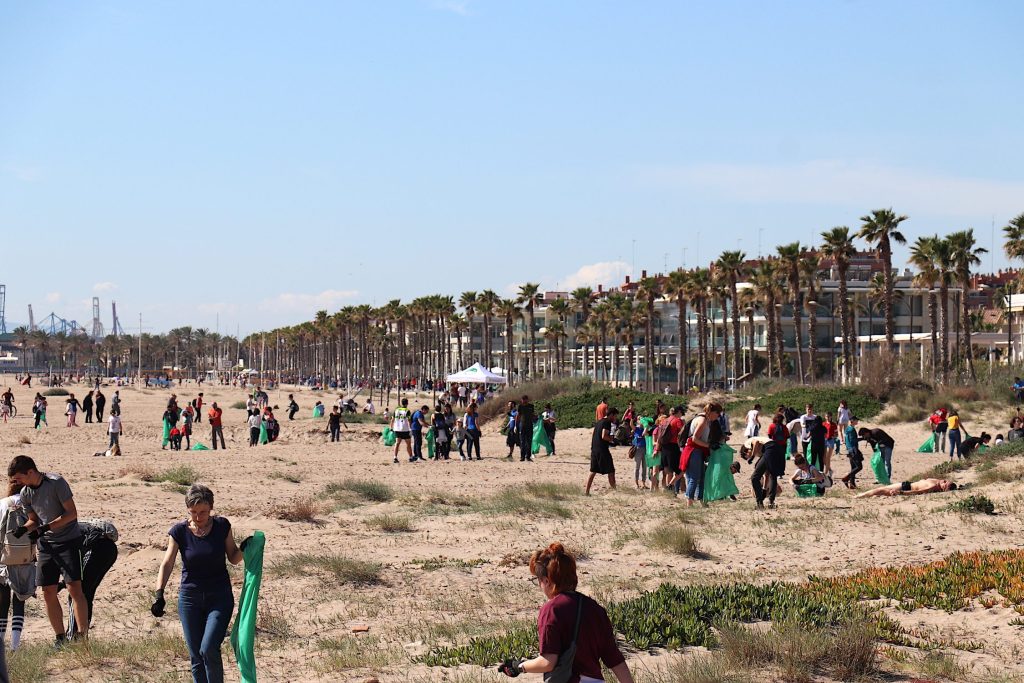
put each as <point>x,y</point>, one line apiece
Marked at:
<point>859,184</point>
<point>26,174</point>
<point>607,273</point>
<point>307,304</point>
<point>52,297</point>
<point>104,287</point>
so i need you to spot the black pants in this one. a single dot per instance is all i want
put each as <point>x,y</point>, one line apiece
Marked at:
<point>550,431</point>
<point>856,465</point>
<point>473,436</point>
<point>526,444</point>
<point>98,561</point>
<point>214,433</point>
<point>760,470</point>
<point>291,413</point>
<point>88,414</point>
<point>254,436</point>
<point>99,412</point>
<point>9,602</point>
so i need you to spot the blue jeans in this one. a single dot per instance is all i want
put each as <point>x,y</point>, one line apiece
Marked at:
<point>695,476</point>
<point>954,443</point>
<point>417,445</point>
<point>205,615</point>
<point>886,452</point>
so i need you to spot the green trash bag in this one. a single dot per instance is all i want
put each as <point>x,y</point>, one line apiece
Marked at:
<point>167,434</point>
<point>808,491</point>
<point>318,411</point>
<point>540,438</point>
<point>928,446</point>
<point>243,633</point>
<point>982,448</point>
<point>719,482</point>
<point>878,465</point>
<point>264,438</point>
<point>430,443</point>
<point>389,436</point>
<point>198,447</point>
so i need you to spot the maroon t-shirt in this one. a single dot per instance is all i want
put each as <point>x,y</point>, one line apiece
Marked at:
<point>596,640</point>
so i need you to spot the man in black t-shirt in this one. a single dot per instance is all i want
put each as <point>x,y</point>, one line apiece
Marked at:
<point>600,449</point>
<point>524,427</point>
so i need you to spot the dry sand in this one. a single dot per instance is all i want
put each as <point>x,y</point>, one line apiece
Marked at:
<point>415,609</point>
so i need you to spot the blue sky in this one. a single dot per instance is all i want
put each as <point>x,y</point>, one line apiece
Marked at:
<point>262,160</point>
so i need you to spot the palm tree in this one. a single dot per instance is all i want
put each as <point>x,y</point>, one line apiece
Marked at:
<point>560,308</point>
<point>699,284</point>
<point>765,281</point>
<point>457,324</point>
<point>487,304</point>
<point>720,292</point>
<point>676,287</point>
<point>585,335</point>
<point>732,262</point>
<point>529,297</point>
<point>748,301</point>
<point>629,317</point>
<point>582,297</point>
<point>809,274</point>
<point>509,310</point>
<point>922,258</point>
<point>790,255</point>
<point>1014,234</point>
<point>881,228</point>
<point>648,290</point>
<point>468,301</point>
<point>837,244</point>
<point>965,254</point>
<point>601,318</point>
<point>21,340</point>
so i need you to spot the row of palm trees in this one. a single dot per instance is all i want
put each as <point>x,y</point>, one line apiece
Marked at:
<point>196,349</point>
<point>416,339</point>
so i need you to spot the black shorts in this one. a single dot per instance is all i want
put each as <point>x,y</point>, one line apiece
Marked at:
<point>56,559</point>
<point>670,454</point>
<point>601,462</point>
<point>402,435</point>
<point>905,486</point>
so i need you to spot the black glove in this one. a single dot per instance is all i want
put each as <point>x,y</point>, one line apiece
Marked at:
<point>159,603</point>
<point>245,542</point>
<point>34,535</point>
<point>511,667</point>
<point>19,532</point>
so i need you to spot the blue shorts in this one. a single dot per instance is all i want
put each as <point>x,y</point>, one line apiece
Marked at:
<point>830,443</point>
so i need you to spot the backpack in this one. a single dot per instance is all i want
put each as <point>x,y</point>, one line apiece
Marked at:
<point>15,551</point>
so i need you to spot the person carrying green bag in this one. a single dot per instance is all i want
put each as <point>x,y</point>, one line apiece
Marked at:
<point>205,600</point>
<point>388,436</point>
<point>243,633</point>
<point>883,445</point>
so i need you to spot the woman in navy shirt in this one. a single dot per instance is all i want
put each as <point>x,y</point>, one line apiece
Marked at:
<point>205,601</point>
<point>472,430</point>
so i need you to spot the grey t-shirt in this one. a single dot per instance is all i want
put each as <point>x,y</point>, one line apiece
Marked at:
<point>47,501</point>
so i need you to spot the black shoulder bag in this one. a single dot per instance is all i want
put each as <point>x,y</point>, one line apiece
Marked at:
<point>563,668</point>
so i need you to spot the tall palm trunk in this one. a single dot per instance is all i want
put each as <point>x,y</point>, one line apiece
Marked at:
<point>965,316</point>
<point>944,311</point>
<point>649,342</point>
<point>734,300</point>
<point>750,337</point>
<point>631,350</point>
<point>798,302</point>
<point>933,319</point>
<point>844,314</point>
<point>812,336</point>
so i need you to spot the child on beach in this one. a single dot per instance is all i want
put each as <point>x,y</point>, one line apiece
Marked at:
<point>176,439</point>
<point>460,438</point>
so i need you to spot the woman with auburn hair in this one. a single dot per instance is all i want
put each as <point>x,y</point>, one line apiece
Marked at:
<point>575,633</point>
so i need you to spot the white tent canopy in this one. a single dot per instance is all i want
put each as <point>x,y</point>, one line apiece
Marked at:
<point>476,374</point>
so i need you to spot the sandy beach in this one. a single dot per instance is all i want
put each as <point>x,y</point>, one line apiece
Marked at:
<point>457,573</point>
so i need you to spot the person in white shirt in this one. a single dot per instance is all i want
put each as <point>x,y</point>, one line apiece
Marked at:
<point>114,429</point>
<point>806,422</point>
<point>843,418</point>
<point>369,407</point>
<point>401,425</point>
<point>753,423</point>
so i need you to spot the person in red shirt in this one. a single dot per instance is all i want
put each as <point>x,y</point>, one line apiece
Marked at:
<point>831,439</point>
<point>554,570</point>
<point>216,429</point>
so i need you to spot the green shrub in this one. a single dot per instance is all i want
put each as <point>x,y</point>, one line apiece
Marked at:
<point>675,539</point>
<point>182,475</point>
<point>974,503</point>
<point>390,524</point>
<point>56,391</point>
<point>577,410</point>
<point>375,491</point>
<point>825,399</point>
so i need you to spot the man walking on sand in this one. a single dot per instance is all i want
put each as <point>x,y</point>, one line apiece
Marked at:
<point>53,519</point>
<point>216,427</point>
<point>401,426</point>
<point>525,417</point>
<point>600,452</point>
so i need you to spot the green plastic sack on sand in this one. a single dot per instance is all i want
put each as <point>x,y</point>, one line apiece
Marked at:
<point>540,438</point>
<point>389,436</point>
<point>928,446</point>
<point>198,447</point>
<point>808,491</point>
<point>264,438</point>
<point>430,443</point>
<point>719,482</point>
<point>878,465</point>
<point>243,633</point>
<point>167,434</point>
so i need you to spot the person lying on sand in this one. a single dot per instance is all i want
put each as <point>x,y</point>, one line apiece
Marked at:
<point>911,488</point>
